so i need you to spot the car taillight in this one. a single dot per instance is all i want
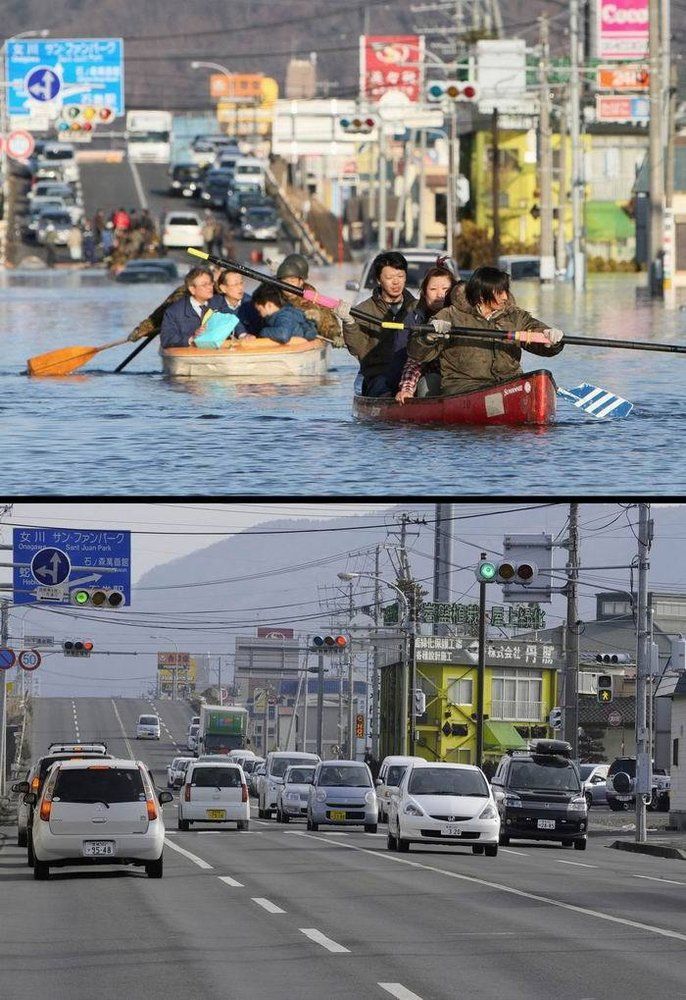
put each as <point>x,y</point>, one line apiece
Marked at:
<point>152,809</point>
<point>45,807</point>
<point>187,793</point>
<point>35,784</point>
<point>244,793</point>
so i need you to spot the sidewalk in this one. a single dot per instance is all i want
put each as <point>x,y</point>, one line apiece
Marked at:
<point>661,842</point>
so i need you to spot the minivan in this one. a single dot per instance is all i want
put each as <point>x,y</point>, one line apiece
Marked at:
<point>390,775</point>
<point>248,170</point>
<point>275,768</point>
<point>148,727</point>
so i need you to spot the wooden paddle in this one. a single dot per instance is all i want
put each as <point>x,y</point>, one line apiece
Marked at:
<point>537,337</point>
<point>66,360</point>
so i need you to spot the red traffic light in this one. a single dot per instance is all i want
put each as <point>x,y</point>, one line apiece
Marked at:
<point>469,92</point>
<point>88,646</point>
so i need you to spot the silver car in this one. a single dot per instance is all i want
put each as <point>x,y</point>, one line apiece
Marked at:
<point>291,800</point>
<point>594,777</point>
<point>342,793</point>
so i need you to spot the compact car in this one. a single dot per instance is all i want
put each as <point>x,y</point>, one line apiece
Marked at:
<point>390,775</point>
<point>292,797</point>
<point>275,767</point>
<point>174,769</point>
<point>214,792</point>
<point>594,778</point>
<point>148,727</point>
<point>182,229</point>
<point>342,793</point>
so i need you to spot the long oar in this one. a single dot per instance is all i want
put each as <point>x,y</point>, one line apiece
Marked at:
<point>136,351</point>
<point>66,360</point>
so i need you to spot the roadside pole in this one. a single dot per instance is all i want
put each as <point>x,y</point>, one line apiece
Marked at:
<point>383,170</point>
<point>480,671</point>
<point>545,160</point>
<point>577,160</point>
<point>4,633</point>
<point>375,668</point>
<point>656,167</point>
<point>570,708</point>
<point>320,701</point>
<point>644,775</point>
<point>495,188</point>
<point>450,190</point>
<point>560,245</point>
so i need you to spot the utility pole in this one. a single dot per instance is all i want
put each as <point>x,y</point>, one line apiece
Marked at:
<point>570,712</point>
<point>545,163</point>
<point>375,667</point>
<point>644,777</point>
<point>496,186</point>
<point>320,701</point>
<point>451,193</point>
<point>351,683</point>
<point>442,553</point>
<point>383,171</point>
<point>561,244</point>
<point>577,160</point>
<point>480,671</point>
<point>655,153</point>
<point>4,634</point>
<point>422,189</point>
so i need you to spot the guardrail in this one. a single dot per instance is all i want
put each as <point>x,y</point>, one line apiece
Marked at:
<point>296,222</point>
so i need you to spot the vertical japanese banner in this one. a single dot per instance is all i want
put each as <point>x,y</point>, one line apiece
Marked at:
<point>622,29</point>
<point>391,62</point>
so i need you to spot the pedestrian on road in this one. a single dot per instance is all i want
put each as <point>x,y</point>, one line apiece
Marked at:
<point>89,245</point>
<point>74,242</point>
<point>50,245</point>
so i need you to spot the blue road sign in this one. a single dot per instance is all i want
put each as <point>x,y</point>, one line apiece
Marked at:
<point>93,557</point>
<point>83,71</point>
<point>43,84</point>
<point>7,658</point>
<point>50,567</point>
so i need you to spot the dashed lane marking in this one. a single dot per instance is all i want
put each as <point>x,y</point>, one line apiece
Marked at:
<point>121,726</point>
<point>577,864</point>
<point>267,904</point>
<point>399,991</point>
<point>314,935</point>
<point>230,881</point>
<point>187,854</point>
<point>506,850</point>
<point>654,878</point>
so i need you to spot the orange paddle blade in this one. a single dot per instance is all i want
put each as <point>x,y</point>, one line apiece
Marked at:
<point>65,360</point>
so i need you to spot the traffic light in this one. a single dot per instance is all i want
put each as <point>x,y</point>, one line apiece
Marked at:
<point>83,117</point>
<point>533,550</point>
<point>77,647</point>
<point>605,692</point>
<point>555,718</point>
<point>455,90</point>
<point>614,658</point>
<point>419,702</point>
<point>329,643</point>
<point>97,597</point>
<point>358,124</point>
<point>506,571</point>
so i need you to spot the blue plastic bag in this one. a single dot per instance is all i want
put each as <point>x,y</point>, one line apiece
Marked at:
<point>216,330</point>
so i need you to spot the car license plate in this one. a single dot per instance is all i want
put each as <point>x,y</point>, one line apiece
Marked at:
<point>624,798</point>
<point>98,848</point>
<point>451,830</point>
<point>546,824</point>
<point>337,814</point>
<point>216,813</point>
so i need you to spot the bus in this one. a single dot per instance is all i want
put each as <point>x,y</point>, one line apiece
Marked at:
<point>148,136</point>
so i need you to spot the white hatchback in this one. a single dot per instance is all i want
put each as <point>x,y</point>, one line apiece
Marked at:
<point>94,812</point>
<point>444,803</point>
<point>214,792</point>
<point>182,229</point>
<point>148,727</point>
<point>390,775</point>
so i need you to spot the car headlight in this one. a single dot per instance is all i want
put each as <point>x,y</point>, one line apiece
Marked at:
<point>320,795</point>
<point>513,801</point>
<point>577,805</point>
<point>413,809</point>
<point>370,797</point>
<point>488,812</point>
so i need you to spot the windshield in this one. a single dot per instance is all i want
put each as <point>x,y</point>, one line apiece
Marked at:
<point>278,766</point>
<point>344,776</point>
<point>148,720</point>
<point>299,775</point>
<point>193,731</point>
<point>586,771</point>
<point>109,784</point>
<point>216,777</point>
<point>58,154</point>
<point>447,781</point>
<point>395,774</point>
<point>549,775</point>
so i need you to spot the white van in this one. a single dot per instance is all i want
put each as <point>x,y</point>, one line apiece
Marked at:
<point>62,155</point>
<point>268,783</point>
<point>249,171</point>
<point>148,727</point>
<point>390,775</point>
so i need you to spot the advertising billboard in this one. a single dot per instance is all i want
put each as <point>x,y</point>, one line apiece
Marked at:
<point>622,28</point>
<point>391,62</point>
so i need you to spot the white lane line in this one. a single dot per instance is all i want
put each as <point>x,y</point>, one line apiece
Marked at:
<point>267,904</point>
<point>231,881</point>
<point>585,911</point>
<point>399,991</point>
<point>506,850</point>
<point>121,726</point>
<point>654,878</point>
<point>577,864</point>
<point>375,834</point>
<point>137,182</point>
<point>314,935</point>
<point>187,854</point>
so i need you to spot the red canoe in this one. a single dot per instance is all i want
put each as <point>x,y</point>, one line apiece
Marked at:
<point>525,399</point>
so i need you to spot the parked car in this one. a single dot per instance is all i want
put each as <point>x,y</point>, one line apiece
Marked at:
<point>390,775</point>
<point>32,220</point>
<point>292,797</point>
<point>148,271</point>
<point>593,777</point>
<point>621,786</point>
<point>174,770</point>
<point>59,221</point>
<point>148,727</point>
<point>443,803</point>
<point>275,768</point>
<point>182,229</point>
<point>419,260</point>
<point>342,793</point>
<point>520,265</point>
<point>214,187</point>
<point>91,812</point>
<point>184,179</point>
<point>260,224</point>
<point>214,792</point>
<point>540,796</point>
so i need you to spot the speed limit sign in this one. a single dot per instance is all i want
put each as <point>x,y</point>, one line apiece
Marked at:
<point>29,659</point>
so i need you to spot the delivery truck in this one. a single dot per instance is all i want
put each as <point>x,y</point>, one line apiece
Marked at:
<point>222,728</point>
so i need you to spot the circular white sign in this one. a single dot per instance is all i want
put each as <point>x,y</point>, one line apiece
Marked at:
<point>29,659</point>
<point>614,719</point>
<point>20,144</point>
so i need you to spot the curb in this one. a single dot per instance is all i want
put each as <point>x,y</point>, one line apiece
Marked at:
<point>656,850</point>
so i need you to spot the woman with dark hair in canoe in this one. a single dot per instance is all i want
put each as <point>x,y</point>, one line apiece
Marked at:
<point>466,364</point>
<point>434,294</point>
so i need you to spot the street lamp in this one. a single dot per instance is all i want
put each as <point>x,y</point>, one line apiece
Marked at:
<point>176,665</point>
<point>409,624</point>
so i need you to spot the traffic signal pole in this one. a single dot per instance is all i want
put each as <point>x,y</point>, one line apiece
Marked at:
<point>571,676</point>
<point>320,701</point>
<point>644,777</point>
<point>4,634</point>
<point>481,670</point>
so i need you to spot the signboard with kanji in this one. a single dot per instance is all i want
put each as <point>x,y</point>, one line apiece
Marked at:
<point>391,62</point>
<point>499,652</point>
<point>50,563</point>
<point>622,28</point>
<point>628,77</point>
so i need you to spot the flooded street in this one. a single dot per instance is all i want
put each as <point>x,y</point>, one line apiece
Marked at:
<point>138,433</point>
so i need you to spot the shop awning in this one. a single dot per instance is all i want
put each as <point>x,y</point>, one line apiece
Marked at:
<point>502,736</point>
<point>606,221</point>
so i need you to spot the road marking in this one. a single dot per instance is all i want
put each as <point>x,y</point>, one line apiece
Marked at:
<point>654,878</point>
<point>399,991</point>
<point>375,834</point>
<point>506,850</point>
<point>578,864</point>
<point>585,911</point>
<point>267,904</point>
<point>187,854</point>
<point>231,881</point>
<point>139,187</point>
<point>314,935</point>
<point>121,724</point>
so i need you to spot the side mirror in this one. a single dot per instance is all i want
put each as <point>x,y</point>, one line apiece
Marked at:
<point>21,786</point>
<point>30,799</point>
<point>165,797</point>
<point>352,286</point>
<point>378,782</point>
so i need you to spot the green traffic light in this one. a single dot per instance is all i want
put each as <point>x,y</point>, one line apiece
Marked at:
<point>81,597</point>
<point>487,571</point>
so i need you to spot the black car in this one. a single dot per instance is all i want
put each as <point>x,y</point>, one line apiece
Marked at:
<point>184,179</point>
<point>540,796</point>
<point>148,270</point>
<point>240,202</point>
<point>214,187</point>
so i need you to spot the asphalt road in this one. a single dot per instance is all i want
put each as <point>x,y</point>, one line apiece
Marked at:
<point>278,912</point>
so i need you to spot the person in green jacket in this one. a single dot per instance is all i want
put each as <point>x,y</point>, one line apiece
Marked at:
<point>466,364</point>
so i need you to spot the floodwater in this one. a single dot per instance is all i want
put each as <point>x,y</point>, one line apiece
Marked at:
<point>138,433</point>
